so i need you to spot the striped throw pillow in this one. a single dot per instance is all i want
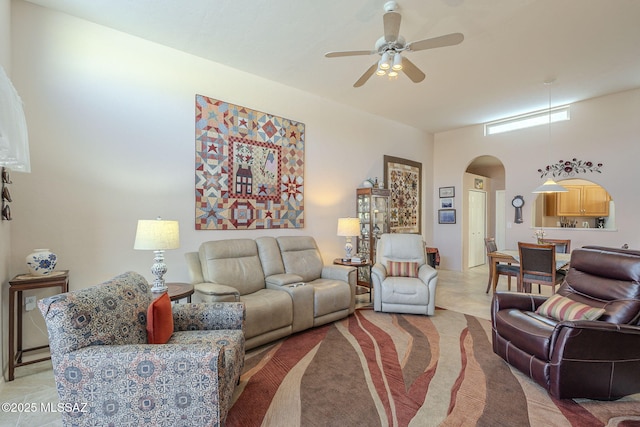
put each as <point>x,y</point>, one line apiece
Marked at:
<point>563,308</point>
<point>402,269</point>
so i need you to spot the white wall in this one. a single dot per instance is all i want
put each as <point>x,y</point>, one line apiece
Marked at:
<point>111,122</point>
<point>5,230</point>
<point>602,130</point>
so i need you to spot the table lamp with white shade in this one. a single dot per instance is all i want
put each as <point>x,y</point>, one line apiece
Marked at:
<point>348,228</point>
<point>157,235</point>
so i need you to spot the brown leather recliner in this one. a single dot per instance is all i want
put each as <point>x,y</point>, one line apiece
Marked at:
<point>595,359</point>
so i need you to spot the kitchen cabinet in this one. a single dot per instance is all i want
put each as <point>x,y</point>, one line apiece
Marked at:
<point>580,200</point>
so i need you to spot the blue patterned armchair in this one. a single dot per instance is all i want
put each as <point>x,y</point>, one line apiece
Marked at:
<point>108,375</point>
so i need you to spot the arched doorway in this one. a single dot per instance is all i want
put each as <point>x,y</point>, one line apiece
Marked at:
<point>484,208</point>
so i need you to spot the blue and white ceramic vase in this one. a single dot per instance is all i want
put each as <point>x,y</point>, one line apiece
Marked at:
<point>41,262</point>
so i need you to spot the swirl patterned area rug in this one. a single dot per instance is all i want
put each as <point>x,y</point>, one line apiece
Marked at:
<point>379,369</point>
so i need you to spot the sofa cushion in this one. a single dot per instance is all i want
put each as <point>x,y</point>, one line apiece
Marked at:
<point>563,308</point>
<point>330,296</point>
<point>300,255</point>
<point>233,262</point>
<point>270,257</point>
<point>526,331</point>
<point>159,320</point>
<point>402,269</point>
<point>404,290</point>
<point>266,310</point>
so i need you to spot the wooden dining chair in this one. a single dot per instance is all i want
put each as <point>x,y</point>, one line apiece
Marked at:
<point>538,265</point>
<point>502,269</point>
<point>563,246</point>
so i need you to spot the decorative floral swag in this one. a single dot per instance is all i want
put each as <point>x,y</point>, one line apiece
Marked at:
<point>569,168</point>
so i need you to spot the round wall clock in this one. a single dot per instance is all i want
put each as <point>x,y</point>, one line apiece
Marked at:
<point>518,202</point>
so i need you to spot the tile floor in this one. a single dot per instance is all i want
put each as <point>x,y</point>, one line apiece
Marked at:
<point>463,292</point>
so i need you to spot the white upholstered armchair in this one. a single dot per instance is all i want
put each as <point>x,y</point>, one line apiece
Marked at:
<point>402,280</point>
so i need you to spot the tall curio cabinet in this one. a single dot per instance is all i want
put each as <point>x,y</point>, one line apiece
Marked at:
<point>372,205</point>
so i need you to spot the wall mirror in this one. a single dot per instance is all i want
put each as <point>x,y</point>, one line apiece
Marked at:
<point>585,205</point>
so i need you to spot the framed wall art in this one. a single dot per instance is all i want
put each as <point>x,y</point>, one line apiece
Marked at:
<point>446,203</point>
<point>403,179</point>
<point>447,191</point>
<point>446,216</point>
<point>249,168</point>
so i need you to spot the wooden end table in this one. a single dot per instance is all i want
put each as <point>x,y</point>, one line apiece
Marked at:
<point>178,291</point>
<point>364,264</point>
<point>17,285</point>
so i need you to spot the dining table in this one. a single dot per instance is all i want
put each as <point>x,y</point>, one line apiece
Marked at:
<point>512,256</point>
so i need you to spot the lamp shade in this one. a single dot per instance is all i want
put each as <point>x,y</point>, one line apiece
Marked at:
<point>550,186</point>
<point>157,234</point>
<point>348,227</point>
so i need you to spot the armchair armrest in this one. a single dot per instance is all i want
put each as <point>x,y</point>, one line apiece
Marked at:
<point>208,316</point>
<point>378,272</point>
<point>426,273</point>
<point>215,292</point>
<point>607,354</point>
<point>596,340</point>
<point>520,301</point>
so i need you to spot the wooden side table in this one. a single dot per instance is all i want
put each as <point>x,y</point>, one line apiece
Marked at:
<point>359,265</point>
<point>177,291</point>
<point>433,256</point>
<point>17,285</point>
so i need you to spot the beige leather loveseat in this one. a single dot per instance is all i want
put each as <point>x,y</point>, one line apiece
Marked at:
<point>283,282</point>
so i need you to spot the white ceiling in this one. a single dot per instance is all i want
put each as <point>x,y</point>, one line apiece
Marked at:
<point>591,48</point>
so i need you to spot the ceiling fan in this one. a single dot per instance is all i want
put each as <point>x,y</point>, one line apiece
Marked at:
<point>390,48</point>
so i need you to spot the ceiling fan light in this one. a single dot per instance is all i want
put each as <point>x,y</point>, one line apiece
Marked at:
<point>384,61</point>
<point>393,74</point>
<point>397,62</point>
<point>380,72</point>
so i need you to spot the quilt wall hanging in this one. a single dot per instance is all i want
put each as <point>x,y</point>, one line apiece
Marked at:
<point>403,178</point>
<point>249,168</point>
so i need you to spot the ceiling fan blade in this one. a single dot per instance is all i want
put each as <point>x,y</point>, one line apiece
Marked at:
<point>349,53</point>
<point>391,26</point>
<point>412,71</point>
<point>363,79</point>
<point>442,41</point>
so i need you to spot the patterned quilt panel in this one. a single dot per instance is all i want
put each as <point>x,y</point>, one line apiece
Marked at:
<point>249,168</point>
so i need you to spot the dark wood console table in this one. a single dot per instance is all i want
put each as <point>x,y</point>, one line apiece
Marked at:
<point>17,285</point>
